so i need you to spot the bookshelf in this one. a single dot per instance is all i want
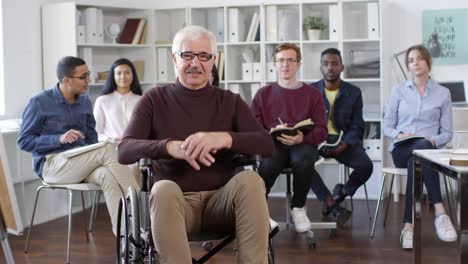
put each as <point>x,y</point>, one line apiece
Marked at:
<point>353,26</point>
<point>62,24</point>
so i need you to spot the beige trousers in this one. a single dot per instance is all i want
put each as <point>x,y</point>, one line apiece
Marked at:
<point>99,166</point>
<point>239,205</point>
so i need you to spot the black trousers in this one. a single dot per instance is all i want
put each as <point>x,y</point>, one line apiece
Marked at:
<point>301,158</point>
<point>356,158</point>
<point>403,158</point>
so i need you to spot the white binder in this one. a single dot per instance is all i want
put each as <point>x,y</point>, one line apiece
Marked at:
<point>163,67</point>
<point>220,24</point>
<point>333,22</point>
<point>247,74</point>
<point>271,72</point>
<point>91,25</point>
<point>271,23</point>
<point>233,25</point>
<point>256,71</point>
<point>80,34</point>
<point>100,26</point>
<point>373,20</point>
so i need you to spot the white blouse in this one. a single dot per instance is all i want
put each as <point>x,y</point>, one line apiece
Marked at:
<point>112,113</point>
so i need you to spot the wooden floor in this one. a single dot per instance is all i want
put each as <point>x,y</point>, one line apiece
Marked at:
<point>352,244</point>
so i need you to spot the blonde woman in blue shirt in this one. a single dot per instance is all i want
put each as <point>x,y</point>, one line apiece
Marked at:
<point>420,106</point>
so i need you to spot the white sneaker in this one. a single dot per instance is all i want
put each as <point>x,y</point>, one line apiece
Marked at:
<point>406,238</point>
<point>273,224</point>
<point>445,229</point>
<point>300,219</point>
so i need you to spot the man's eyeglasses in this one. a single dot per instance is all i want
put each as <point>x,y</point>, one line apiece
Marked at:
<point>83,77</point>
<point>188,55</point>
<point>288,60</point>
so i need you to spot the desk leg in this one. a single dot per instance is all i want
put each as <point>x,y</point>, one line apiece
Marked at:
<point>463,205</point>
<point>5,244</point>
<point>417,195</point>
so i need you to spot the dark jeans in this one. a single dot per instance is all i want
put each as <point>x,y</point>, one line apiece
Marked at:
<point>403,158</point>
<point>301,158</point>
<point>356,158</point>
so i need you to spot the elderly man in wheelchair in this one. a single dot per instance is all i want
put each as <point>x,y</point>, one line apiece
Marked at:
<point>191,131</point>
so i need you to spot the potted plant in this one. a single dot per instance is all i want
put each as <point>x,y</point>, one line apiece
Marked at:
<point>314,26</point>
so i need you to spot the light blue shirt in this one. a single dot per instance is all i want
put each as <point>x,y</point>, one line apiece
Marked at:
<point>46,117</point>
<point>429,115</point>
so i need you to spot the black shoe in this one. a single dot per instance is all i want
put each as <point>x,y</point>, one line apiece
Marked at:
<point>339,193</point>
<point>326,210</point>
<point>340,214</point>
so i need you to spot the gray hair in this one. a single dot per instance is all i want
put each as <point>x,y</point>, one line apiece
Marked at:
<point>193,33</point>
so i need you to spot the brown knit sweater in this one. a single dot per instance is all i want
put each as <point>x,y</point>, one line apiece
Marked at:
<point>174,112</point>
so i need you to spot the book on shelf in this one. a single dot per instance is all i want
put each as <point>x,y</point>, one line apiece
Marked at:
<point>80,150</point>
<point>139,32</point>
<point>129,30</point>
<point>304,126</point>
<point>402,140</point>
<point>459,157</point>
<point>254,24</point>
<point>221,66</point>
<point>324,146</point>
<point>139,64</point>
<point>271,13</point>
<point>143,34</point>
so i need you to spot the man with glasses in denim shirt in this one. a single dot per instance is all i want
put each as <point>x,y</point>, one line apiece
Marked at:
<point>285,103</point>
<point>192,130</point>
<point>61,118</point>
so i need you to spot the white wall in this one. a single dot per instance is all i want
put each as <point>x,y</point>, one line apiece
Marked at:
<point>22,53</point>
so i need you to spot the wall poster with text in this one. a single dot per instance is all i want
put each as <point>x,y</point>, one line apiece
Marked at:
<point>445,34</point>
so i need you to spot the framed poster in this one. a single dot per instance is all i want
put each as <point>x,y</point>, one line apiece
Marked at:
<point>445,34</point>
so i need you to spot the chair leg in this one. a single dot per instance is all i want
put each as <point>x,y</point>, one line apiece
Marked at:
<point>84,217</point>
<point>382,185</point>
<point>288,201</point>
<point>345,171</point>
<point>388,202</point>
<point>367,202</point>
<point>38,190</point>
<point>93,207</point>
<point>97,203</point>
<point>70,199</point>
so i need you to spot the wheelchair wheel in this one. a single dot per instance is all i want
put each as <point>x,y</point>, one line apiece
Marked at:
<point>134,221</point>
<point>128,232</point>
<point>122,233</point>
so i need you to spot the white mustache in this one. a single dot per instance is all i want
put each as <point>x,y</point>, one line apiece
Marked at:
<point>194,69</point>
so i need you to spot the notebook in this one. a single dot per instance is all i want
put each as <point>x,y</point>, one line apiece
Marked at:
<point>457,92</point>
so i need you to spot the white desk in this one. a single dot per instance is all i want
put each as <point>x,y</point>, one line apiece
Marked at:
<point>438,160</point>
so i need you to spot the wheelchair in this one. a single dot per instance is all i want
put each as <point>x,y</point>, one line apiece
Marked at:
<point>134,240</point>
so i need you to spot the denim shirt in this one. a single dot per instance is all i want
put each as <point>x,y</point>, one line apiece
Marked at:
<point>46,117</point>
<point>429,115</point>
<point>347,111</point>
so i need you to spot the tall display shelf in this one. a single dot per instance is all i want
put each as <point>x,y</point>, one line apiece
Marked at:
<point>246,35</point>
<point>63,27</point>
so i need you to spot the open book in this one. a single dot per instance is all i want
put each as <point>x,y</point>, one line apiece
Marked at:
<point>304,126</point>
<point>406,139</point>
<point>330,145</point>
<point>459,157</point>
<point>80,150</point>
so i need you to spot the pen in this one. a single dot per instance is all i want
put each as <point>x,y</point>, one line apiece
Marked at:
<point>281,122</point>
